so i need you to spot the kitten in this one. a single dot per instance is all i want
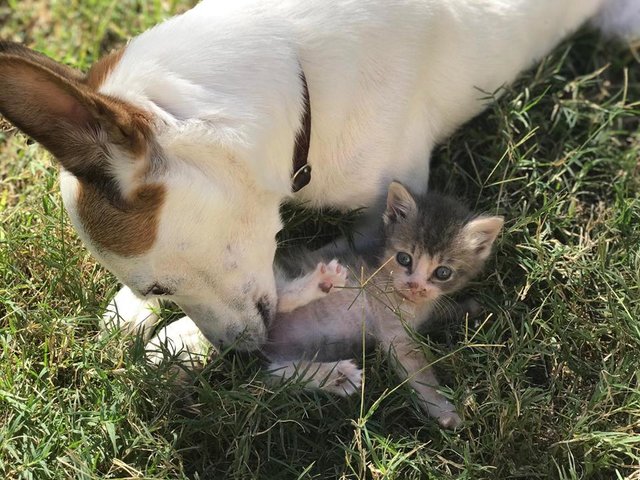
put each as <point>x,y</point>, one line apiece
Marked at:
<point>430,246</point>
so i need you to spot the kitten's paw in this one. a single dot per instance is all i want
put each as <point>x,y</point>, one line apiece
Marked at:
<point>449,420</point>
<point>331,275</point>
<point>444,412</point>
<point>344,380</point>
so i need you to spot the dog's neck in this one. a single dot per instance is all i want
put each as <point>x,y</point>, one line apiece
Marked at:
<point>259,114</point>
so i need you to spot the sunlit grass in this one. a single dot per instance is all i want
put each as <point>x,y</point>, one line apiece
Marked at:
<point>547,380</point>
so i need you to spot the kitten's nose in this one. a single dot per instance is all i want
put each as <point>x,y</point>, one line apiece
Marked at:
<point>417,289</point>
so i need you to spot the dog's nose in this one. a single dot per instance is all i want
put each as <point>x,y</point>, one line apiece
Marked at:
<point>264,309</point>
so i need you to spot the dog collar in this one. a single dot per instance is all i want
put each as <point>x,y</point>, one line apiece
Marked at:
<point>301,168</point>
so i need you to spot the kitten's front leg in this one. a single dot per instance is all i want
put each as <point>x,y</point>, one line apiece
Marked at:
<point>313,286</point>
<point>410,363</point>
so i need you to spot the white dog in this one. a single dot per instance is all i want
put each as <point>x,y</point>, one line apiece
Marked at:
<point>178,150</point>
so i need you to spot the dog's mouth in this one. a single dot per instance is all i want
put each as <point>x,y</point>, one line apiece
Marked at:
<point>226,327</point>
<point>247,340</point>
<point>265,310</point>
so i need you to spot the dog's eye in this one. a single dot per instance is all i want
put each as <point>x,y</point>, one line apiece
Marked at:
<point>158,290</point>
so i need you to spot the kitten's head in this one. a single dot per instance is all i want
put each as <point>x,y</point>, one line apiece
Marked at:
<point>434,245</point>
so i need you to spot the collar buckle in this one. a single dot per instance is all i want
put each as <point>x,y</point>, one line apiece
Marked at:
<point>301,168</point>
<point>301,178</point>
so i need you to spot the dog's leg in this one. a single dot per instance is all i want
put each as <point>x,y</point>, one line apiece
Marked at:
<point>341,378</point>
<point>317,284</point>
<point>131,314</point>
<point>181,340</point>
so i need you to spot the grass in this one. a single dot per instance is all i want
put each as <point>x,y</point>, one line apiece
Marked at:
<point>547,381</point>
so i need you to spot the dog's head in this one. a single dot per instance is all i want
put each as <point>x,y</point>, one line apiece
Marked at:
<point>169,216</point>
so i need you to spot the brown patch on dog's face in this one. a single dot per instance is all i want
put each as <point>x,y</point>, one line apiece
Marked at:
<point>102,68</point>
<point>125,229</point>
<point>124,223</point>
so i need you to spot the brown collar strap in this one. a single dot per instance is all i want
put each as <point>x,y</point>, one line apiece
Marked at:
<point>301,169</point>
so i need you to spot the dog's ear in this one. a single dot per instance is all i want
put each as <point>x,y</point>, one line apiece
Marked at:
<point>50,103</point>
<point>19,50</point>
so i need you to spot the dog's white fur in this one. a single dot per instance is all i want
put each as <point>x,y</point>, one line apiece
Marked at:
<point>387,80</point>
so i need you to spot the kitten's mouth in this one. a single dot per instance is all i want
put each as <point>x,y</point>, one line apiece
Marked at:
<point>412,297</point>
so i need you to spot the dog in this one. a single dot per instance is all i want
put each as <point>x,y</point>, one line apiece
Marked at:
<point>177,150</point>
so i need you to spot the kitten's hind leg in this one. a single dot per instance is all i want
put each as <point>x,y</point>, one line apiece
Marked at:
<point>341,378</point>
<point>313,286</point>
<point>410,363</point>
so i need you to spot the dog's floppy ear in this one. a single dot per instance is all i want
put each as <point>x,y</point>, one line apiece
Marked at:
<point>50,103</point>
<point>19,50</point>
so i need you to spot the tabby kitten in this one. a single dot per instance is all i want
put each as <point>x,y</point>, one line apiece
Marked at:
<point>430,246</point>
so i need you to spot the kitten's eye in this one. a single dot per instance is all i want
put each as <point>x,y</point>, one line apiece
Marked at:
<point>403,259</point>
<point>443,273</point>
<point>158,290</point>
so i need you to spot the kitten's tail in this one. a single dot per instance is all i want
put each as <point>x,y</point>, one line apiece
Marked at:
<point>619,18</point>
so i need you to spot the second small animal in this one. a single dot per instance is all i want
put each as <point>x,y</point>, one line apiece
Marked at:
<point>431,246</point>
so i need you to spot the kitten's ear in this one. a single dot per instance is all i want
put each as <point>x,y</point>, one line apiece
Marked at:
<point>400,203</point>
<point>481,232</point>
